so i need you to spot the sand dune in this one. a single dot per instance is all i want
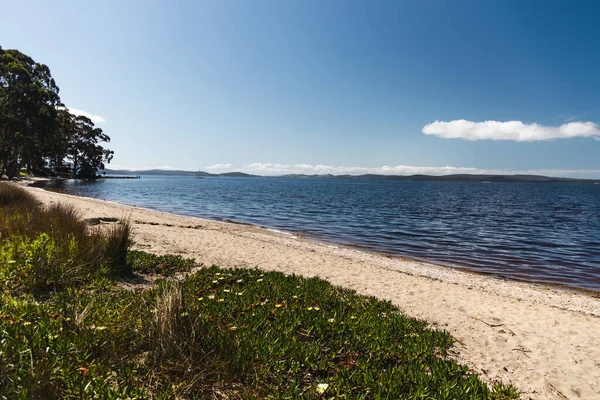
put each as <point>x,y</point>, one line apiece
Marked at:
<point>544,341</point>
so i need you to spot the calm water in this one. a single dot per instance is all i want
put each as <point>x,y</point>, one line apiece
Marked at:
<point>546,233</point>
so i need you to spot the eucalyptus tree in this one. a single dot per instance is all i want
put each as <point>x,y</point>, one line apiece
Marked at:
<point>28,108</point>
<point>84,146</point>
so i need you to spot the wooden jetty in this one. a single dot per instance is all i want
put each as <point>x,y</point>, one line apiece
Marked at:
<point>118,176</point>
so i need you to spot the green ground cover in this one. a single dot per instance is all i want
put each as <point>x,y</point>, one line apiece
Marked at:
<point>69,329</point>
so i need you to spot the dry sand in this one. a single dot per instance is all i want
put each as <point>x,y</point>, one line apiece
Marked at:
<point>544,341</point>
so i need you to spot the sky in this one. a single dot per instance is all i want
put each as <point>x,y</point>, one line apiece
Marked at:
<point>274,87</point>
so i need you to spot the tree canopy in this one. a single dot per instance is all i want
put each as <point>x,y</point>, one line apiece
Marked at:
<point>37,131</point>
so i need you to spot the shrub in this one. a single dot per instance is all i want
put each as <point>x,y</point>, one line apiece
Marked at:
<point>13,195</point>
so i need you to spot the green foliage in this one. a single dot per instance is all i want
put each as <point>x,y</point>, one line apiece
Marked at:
<point>240,333</point>
<point>152,264</point>
<point>70,346</point>
<point>283,336</point>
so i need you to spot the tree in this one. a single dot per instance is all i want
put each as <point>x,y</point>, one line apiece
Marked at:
<point>84,150</point>
<point>36,129</point>
<point>28,106</point>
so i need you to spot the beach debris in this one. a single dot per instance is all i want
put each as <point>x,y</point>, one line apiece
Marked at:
<point>522,350</point>
<point>495,325</point>
<point>101,220</point>
<point>558,392</point>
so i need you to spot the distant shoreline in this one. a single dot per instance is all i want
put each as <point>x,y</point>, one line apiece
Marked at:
<point>483,178</point>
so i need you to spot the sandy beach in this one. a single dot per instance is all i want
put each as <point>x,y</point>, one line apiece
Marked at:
<point>544,341</point>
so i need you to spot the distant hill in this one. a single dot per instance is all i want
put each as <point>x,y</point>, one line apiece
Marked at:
<point>451,178</point>
<point>175,172</point>
<point>237,175</point>
<point>369,177</point>
<point>152,172</point>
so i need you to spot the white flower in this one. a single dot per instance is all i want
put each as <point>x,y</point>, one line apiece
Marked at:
<point>322,387</point>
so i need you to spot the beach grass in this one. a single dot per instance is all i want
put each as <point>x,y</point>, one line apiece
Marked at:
<point>69,329</point>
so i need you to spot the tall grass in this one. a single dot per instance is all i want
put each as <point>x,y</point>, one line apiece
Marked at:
<point>11,194</point>
<point>167,330</point>
<point>44,249</point>
<point>117,242</point>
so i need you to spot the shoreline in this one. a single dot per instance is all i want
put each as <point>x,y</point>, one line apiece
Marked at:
<point>317,239</point>
<point>320,241</point>
<point>543,340</point>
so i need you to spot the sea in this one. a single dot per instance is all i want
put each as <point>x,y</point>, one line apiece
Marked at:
<point>544,233</point>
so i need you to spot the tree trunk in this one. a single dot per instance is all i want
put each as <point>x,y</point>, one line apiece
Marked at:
<point>4,161</point>
<point>12,170</point>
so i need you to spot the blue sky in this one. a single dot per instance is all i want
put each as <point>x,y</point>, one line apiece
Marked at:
<point>328,86</point>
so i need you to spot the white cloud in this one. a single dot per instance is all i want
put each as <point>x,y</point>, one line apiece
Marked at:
<point>94,118</point>
<point>284,169</point>
<point>219,166</point>
<point>509,130</point>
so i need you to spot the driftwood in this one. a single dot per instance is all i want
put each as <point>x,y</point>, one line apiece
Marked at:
<point>495,325</point>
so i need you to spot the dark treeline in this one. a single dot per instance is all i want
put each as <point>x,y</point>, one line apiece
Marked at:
<point>37,131</point>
